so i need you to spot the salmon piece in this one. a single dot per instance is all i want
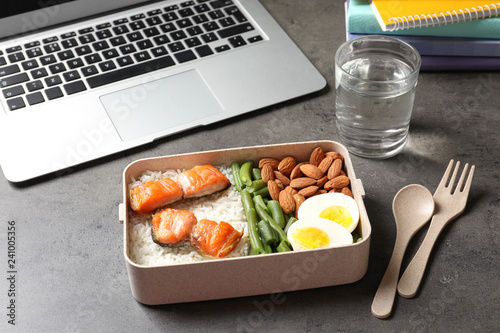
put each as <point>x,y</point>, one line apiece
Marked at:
<point>214,239</point>
<point>172,227</point>
<point>202,180</point>
<point>147,197</point>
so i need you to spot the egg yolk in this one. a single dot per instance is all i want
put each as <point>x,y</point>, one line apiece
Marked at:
<point>337,214</point>
<point>311,238</point>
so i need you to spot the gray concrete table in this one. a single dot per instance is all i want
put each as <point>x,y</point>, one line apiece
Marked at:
<point>71,271</point>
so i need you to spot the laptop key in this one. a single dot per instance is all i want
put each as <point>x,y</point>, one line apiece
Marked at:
<point>82,50</point>
<point>92,58</point>
<point>75,63</point>
<point>235,30</point>
<point>255,39</point>
<point>185,56</point>
<point>90,70</point>
<point>85,39</point>
<point>131,71</point>
<point>74,87</point>
<point>222,48</point>
<point>16,103</point>
<point>14,79</point>
<point>107,65</point>
<point>30,64</point>
<point>52,47</point>
<point>121,29</point>
<point>35,98</point>
<point>124,61</point>
<point>118,40</point>
<point>204,50</point>
<point>13,91</point>
<point>48,59</point>
<point>53,80</point>
<point>65,55</point>
<point>34,85</point>
<point>68,43</point>
<point>237,41</point>
<point>15,57</point>
<point>34,52</point>
<point>142,56</point>
<point>38,73</point>
<point>53,93</point>
<point>71,76</point>
<point>7,70</point>
<point>57,68</point>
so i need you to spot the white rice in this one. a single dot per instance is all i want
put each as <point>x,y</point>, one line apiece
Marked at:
<point>222,206</point>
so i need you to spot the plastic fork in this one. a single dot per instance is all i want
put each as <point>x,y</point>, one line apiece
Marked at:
<point>450,202</point>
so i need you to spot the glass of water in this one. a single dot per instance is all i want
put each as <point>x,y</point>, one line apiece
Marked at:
<point>375,81</point>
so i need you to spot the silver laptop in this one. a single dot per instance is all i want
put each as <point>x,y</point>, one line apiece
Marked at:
<point>82,79</point>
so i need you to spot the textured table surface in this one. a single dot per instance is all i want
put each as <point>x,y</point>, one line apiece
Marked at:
<point>71,269</point>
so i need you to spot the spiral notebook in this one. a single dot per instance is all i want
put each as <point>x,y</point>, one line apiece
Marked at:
<point>400,15</point>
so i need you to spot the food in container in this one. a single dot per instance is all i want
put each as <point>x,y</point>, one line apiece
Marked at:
<point>207,279</point>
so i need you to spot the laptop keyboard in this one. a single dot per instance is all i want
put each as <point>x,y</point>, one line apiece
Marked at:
<point>77,61</point>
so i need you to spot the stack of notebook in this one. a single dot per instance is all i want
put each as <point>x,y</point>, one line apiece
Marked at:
<point>450,35</point>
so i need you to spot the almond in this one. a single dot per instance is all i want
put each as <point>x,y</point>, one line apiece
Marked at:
<point>311,171</point>
<point>271,161</point>
<point>335,169</point>
<point>325,163</point>
<point>317,156</point>
<point>308,191</point>
<point>302,182</point>
<point>280,184</point>
<point>335,155</point>
<point>287,164</point>
<point>283,179</point>
<point>337,183</point>
<point>286,202</point>
<point>267,173</point>
<point>322,181</point>
<point>274,190</point>
<point>290,190</point>
<point>296,173</point>
<point>299,199</point>
<point>346,191</point>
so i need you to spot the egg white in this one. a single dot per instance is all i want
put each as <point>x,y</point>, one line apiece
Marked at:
<point>313,206</point>
<point>339,236</point>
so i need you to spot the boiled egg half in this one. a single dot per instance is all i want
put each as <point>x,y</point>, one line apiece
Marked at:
<point>315,233</point>
<point>336,207</point>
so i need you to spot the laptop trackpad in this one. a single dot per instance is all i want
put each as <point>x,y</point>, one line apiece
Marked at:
<point>179,100</point>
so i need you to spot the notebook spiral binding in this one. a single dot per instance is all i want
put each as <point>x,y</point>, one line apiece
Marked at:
<point>473,13</point>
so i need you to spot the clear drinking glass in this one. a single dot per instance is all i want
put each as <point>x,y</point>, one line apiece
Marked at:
<point>375,81</point>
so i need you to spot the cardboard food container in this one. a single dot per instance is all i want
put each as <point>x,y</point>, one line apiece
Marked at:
<point>253,274</point>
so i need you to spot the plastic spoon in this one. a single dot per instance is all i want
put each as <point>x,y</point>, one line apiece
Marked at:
<point>413,207</point>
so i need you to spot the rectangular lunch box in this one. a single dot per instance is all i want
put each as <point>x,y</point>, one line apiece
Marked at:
<point>253,274</point>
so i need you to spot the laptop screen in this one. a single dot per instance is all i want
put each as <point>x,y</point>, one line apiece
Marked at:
<point>25,16</point>
<point>19,7</point>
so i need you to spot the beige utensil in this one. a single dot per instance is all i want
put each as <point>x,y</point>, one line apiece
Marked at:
<point>449,205</point>
<point>413,206</point>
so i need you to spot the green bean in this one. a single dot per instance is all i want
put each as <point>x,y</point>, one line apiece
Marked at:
<point>253,232</point>
<point>236,176</point>
<point>264,192</point>
<point>256,174</point>
<point>245,173</point>
<point>289,223</point>
<point>283,247</point>
<point>276,213</point>
<point>246,200</point>
<point>261,212</point>
<point>252,220</point>
<point>258,200</point>
<point>267,233</point>
<point>256,185</point>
